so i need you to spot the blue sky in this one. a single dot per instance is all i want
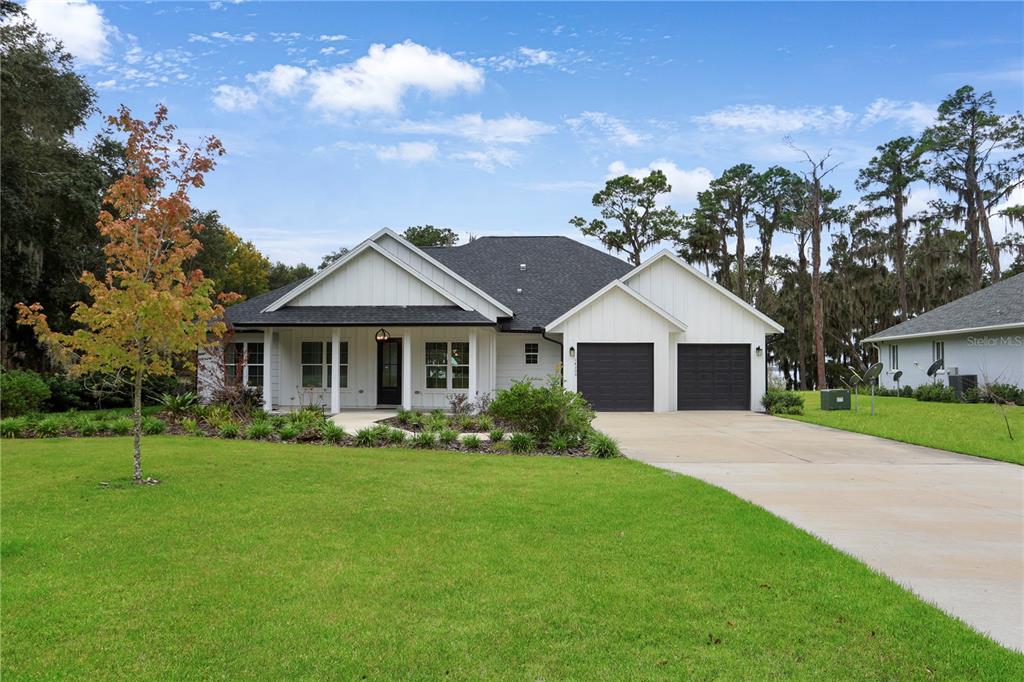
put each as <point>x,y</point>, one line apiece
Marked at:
<point>505,118</point>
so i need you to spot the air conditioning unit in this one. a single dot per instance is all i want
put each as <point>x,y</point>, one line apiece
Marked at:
<point>962,382</point>
<point>952,371</point>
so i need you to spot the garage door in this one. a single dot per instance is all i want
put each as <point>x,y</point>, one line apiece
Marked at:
<point>714,376</point>
<point>616,376</point>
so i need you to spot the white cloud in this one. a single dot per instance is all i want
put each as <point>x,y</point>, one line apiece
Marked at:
<point>282,80</point>
<point>328,51</point>
<point>78,24</point>
<point>536,57</point>
<point>332,38</point>
<point>488,159</point>
<point>234,98</point>
<point>408,152</point>
<point>766,118</point>
<point>378,81</point>
<point>511,129</point>
<point>916,115</point>
<point>527,57</point>
<point>601,128</point>
<point>222,36</point>
<point>686,183</point>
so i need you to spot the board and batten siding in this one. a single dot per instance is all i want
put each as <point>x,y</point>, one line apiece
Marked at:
<point>439,277</point>
<point>511,359</point>
<point>370,279</point>
<point>995,357</point>
<point>617,317</point>
<point>209,368</point>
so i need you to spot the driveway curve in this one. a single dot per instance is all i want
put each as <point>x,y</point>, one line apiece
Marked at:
<point>949,527</point>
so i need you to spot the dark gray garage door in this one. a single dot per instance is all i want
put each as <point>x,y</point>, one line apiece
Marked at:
<point>616,376</point>
<point>714,376</point>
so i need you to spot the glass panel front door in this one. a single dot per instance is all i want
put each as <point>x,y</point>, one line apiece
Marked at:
<point>389,372</point>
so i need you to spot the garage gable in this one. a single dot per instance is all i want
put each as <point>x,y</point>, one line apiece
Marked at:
<point>687,294</point>
<point>616,311</point>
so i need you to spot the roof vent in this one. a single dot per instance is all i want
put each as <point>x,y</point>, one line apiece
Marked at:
<point>522,266</point>
<point>519,290</point>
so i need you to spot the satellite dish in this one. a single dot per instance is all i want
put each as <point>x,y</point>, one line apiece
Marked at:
<point>934,367</point>
<point>897,374</point>
<point>872,372</point>
<point>855,378</point>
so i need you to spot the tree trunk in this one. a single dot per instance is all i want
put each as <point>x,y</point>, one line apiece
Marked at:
<point>900,256</point>
<point>725,275</point>
<point>817,305</point>
<point>741,258</point>
<point>766,260</point>
<point>986,230</point>
<point>137,430</point>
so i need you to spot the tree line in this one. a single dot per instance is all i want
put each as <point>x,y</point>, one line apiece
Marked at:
<point>884,266</point>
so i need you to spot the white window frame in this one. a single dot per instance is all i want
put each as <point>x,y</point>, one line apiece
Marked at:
<point>449,366</point>
<point>246,364</point>
<point>325,364</point>
<point>939,351</point>
<point>531,352</point>
<point>894,356</point>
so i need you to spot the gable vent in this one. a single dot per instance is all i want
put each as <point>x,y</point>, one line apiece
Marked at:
<point>522,266</point>
<point>519,290</point>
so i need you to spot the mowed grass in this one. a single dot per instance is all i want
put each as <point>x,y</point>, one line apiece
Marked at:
<point>972,429</point>
<point>258,560</point>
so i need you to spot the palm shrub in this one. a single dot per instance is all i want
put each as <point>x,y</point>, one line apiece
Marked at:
<point>21,392</point>
<point>366,437</point>
<point>333,433</point>
<point>423,439</point>
<point>13,427</point>
<point>393,436</point>
<point>543,410</point>
<point>466,423</point>
<point>484,422</point>
<point>472,442</point>
<point>178,405</point>
<point>152,426</point>
<point>436,421</point>
<point>288,431</point>
<point>496,435</point>
<point>602,446</point>
<point>52,426</point>
<point>404,417</point>
<point>447,436</point>
<point>259,429</point>
<point>521,442</point>
<point>561,442</point>
<point>120,426</point>
<point>229,430</point>
<point>191,426</point>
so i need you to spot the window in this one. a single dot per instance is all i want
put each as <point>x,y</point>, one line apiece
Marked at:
<point>244,362</point>
<point>894,357</point>
<point>316,364</point>
<point>440,357</point>
<point>938,350</point>
<point>532,352</point>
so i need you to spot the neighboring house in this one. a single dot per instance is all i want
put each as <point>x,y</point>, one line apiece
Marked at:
<point>393,324</point>
<point>980,335</point>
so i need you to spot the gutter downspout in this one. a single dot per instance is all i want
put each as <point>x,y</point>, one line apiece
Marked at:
<point>561,351</point>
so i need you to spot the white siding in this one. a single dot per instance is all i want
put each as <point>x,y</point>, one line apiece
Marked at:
<point>370,279</point>
<point>511,361</point>
<point>616,317</point>
<point>209,368</point>
<point>440,278</point>
<point>995,357</point>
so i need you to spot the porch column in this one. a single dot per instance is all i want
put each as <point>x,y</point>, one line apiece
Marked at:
<point>335,371</point>
<point>473,369</point>
<point>407,371</point>
<point>268,340</point>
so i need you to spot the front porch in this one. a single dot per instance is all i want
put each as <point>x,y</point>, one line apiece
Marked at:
<point>367,367</point>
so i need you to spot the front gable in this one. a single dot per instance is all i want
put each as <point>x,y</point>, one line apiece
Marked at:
<point>614,313</point>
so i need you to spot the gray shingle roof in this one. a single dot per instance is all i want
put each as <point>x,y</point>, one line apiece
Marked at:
<point>560,272</point>
<point>999,304</point>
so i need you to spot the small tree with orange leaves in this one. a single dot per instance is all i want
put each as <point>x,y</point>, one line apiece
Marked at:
<point>146,311</point>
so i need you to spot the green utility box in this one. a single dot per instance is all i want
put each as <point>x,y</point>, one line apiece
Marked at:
<point>835,399</point>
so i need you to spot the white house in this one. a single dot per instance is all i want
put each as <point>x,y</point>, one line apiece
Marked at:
<point>979,337</point>
<point>392,324</point>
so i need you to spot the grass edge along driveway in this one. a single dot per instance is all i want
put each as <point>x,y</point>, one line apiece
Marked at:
<point>270,560</point>
<point>971,429</point>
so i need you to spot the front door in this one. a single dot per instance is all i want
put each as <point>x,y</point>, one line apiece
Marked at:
<point>389,372</point>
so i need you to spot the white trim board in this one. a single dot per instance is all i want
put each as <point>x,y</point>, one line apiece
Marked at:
<point>943,332</point>
<point>665,253</point>
<point>617,284</point>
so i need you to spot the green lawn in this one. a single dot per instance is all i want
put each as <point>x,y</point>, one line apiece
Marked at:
<point>286,561</point>
<point>973,429</point>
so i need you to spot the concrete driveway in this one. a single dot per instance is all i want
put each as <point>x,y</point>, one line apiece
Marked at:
<point>949,527</point>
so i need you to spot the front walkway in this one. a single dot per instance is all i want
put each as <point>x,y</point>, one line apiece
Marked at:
<point>353,420</point>
<point>949,527</point>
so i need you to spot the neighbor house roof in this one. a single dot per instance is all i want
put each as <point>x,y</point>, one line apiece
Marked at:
<point>1000,306</point>
<point>559,274</point>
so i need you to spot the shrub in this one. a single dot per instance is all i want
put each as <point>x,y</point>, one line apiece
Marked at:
<point>783,402</point>
<point>602,446</point>
<point>423,439</point>
<point>309,421</point>
<point>151,426</point>
<point>217,415</point>
<point>543,410</point>
<point>972,395</point>
<point>13,427</point>
<point>229,430</point>
<point>121,426</point>
<point>191,426</point>
<point>459,404</point>
<point>393,436</point>
<point>447,436</point>
<point>935,393</point>
<point>21,392</point>
<point>484,422</point>
<point>241,400</point>
<point>66,393</point>
<point>405,417</point>
<point>436,421</point>
<point>1004,393</point>
<point>472,442</point>
<point>522,442</point>
<point>178,405</point>
<point>259,429</point>
<point>333,433</point>
<point>54,425</point>
<point>288,431</point>
<point>366,437</point>
<point>496,435</point>
<point>560,442</point>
